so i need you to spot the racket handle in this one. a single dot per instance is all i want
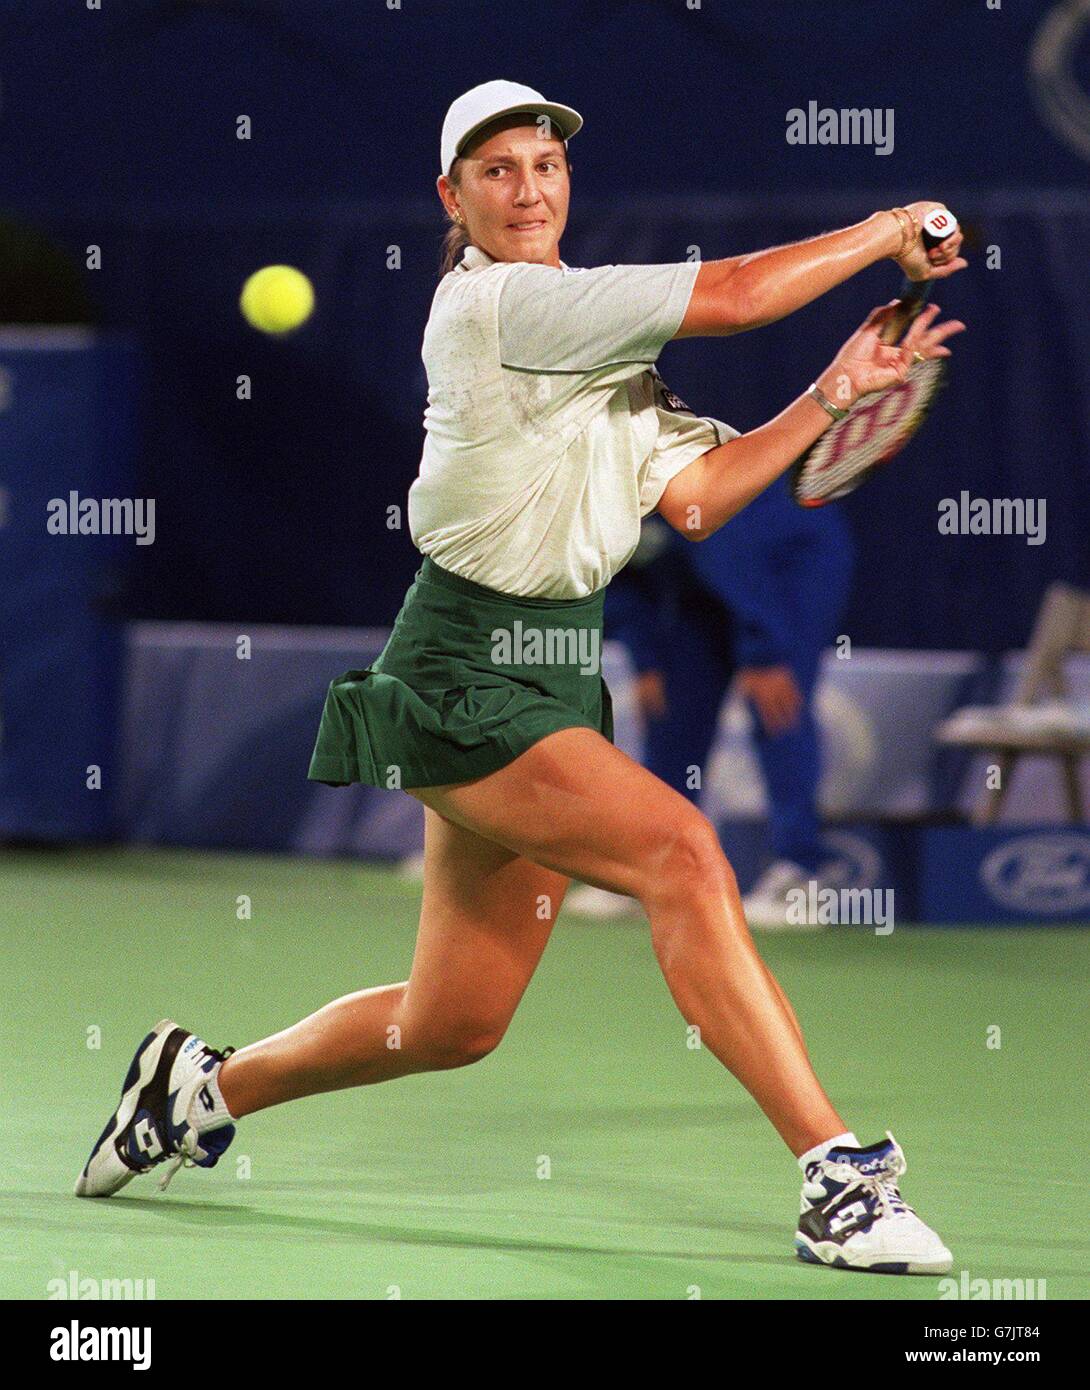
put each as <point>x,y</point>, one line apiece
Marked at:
<point>939,224</point>
<point>912,296</point>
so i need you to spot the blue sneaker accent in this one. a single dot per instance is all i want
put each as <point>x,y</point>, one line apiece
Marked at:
<point>214,1143</point>
<point>874,1159</point>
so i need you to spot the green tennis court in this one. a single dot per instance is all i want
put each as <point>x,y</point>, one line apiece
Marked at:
<point>593,1155</point>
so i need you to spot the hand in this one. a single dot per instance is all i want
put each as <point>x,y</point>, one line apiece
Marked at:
<point>918,263</point>
<point>775,693</point>
<point>865,364</point>
<point>651,694</point>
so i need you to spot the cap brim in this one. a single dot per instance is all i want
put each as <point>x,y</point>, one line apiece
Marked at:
<point>564,119</point>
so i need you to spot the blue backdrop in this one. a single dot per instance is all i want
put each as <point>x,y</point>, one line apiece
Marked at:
<point>119,132</point>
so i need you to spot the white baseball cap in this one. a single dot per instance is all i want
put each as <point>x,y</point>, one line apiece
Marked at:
<point>475,108</point>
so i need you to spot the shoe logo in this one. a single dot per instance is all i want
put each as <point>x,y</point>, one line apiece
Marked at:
<point>848,1216</point>
<point>200,1055</point>
<point>205,1097</point>
<point>874,1166</point>
<point>147,1139</point>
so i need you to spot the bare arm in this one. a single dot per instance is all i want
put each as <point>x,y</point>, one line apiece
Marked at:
<point>742,292</point>
<point>718,484</point>
<point>710,490</point>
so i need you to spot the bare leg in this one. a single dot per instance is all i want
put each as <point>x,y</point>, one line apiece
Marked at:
<point>576,804</point>
<point>486,917</point>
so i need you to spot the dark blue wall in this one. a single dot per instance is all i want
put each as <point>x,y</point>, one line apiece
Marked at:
<point>118,129</point>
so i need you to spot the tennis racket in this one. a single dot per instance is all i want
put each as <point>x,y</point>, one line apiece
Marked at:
<point>878,426</point>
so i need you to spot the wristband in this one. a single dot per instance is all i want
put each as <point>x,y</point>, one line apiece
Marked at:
<point>823,400</point>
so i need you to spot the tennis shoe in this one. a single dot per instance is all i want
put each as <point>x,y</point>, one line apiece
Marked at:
<point>853,1216</point>
<point>150,1125</point>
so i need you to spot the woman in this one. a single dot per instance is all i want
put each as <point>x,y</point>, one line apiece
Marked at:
<point>548,437</point>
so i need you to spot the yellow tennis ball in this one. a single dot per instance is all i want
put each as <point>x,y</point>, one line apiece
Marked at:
<point>277,299</point>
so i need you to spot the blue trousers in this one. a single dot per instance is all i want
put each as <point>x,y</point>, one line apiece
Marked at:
<point>697,665</point>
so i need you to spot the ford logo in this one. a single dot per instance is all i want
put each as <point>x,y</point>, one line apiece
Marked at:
<point>855,863</point>
<point>1045,874</point>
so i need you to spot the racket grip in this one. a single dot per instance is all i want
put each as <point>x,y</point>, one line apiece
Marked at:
<point>913,295</point>
<point>939,224</point>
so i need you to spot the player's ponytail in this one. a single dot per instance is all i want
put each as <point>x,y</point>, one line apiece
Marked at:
<point>456,238</point>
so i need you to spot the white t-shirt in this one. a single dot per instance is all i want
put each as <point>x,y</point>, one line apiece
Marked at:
<point>549,434</point>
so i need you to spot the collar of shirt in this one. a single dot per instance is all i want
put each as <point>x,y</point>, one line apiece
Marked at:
<point>474,258</point>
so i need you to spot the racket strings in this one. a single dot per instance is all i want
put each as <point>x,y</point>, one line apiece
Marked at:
<point>872,433</point>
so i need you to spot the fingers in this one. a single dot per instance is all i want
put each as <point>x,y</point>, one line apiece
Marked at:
<point>921,322</point>
<point>941,272</point>
<point>925,335</point>
<point>942,331</point>
<point>928,342</point>
<point>946,250</point>
<point>920,325</point>
<point>897,359</point>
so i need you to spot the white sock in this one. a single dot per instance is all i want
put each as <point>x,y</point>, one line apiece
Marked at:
<point>818,1152</point>
<point>207,1108</point>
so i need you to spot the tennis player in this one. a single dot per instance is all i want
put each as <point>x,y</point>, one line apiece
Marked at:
<point>548,437</point>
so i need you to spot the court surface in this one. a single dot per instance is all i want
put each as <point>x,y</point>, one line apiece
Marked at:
<point>663,1179</point>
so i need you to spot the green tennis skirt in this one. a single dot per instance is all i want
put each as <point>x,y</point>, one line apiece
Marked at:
<point>469,679</point>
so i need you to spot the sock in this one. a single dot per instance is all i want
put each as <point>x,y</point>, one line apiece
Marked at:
<point>207,1109</point>
<point>818,1152</point>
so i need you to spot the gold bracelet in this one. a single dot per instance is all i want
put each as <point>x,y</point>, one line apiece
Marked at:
<point>910,230</point>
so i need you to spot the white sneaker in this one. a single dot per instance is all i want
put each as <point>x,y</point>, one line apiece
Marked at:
<point>766,904</point>
<point>852,1215</point>
<point>587,901</point>
<point>151,1125</point>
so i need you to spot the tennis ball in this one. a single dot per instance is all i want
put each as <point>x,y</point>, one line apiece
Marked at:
<point>277,299</point>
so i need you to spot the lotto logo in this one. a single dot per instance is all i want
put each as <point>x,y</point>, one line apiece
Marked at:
<point>847,1216</point>
<point>147,1139</point>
